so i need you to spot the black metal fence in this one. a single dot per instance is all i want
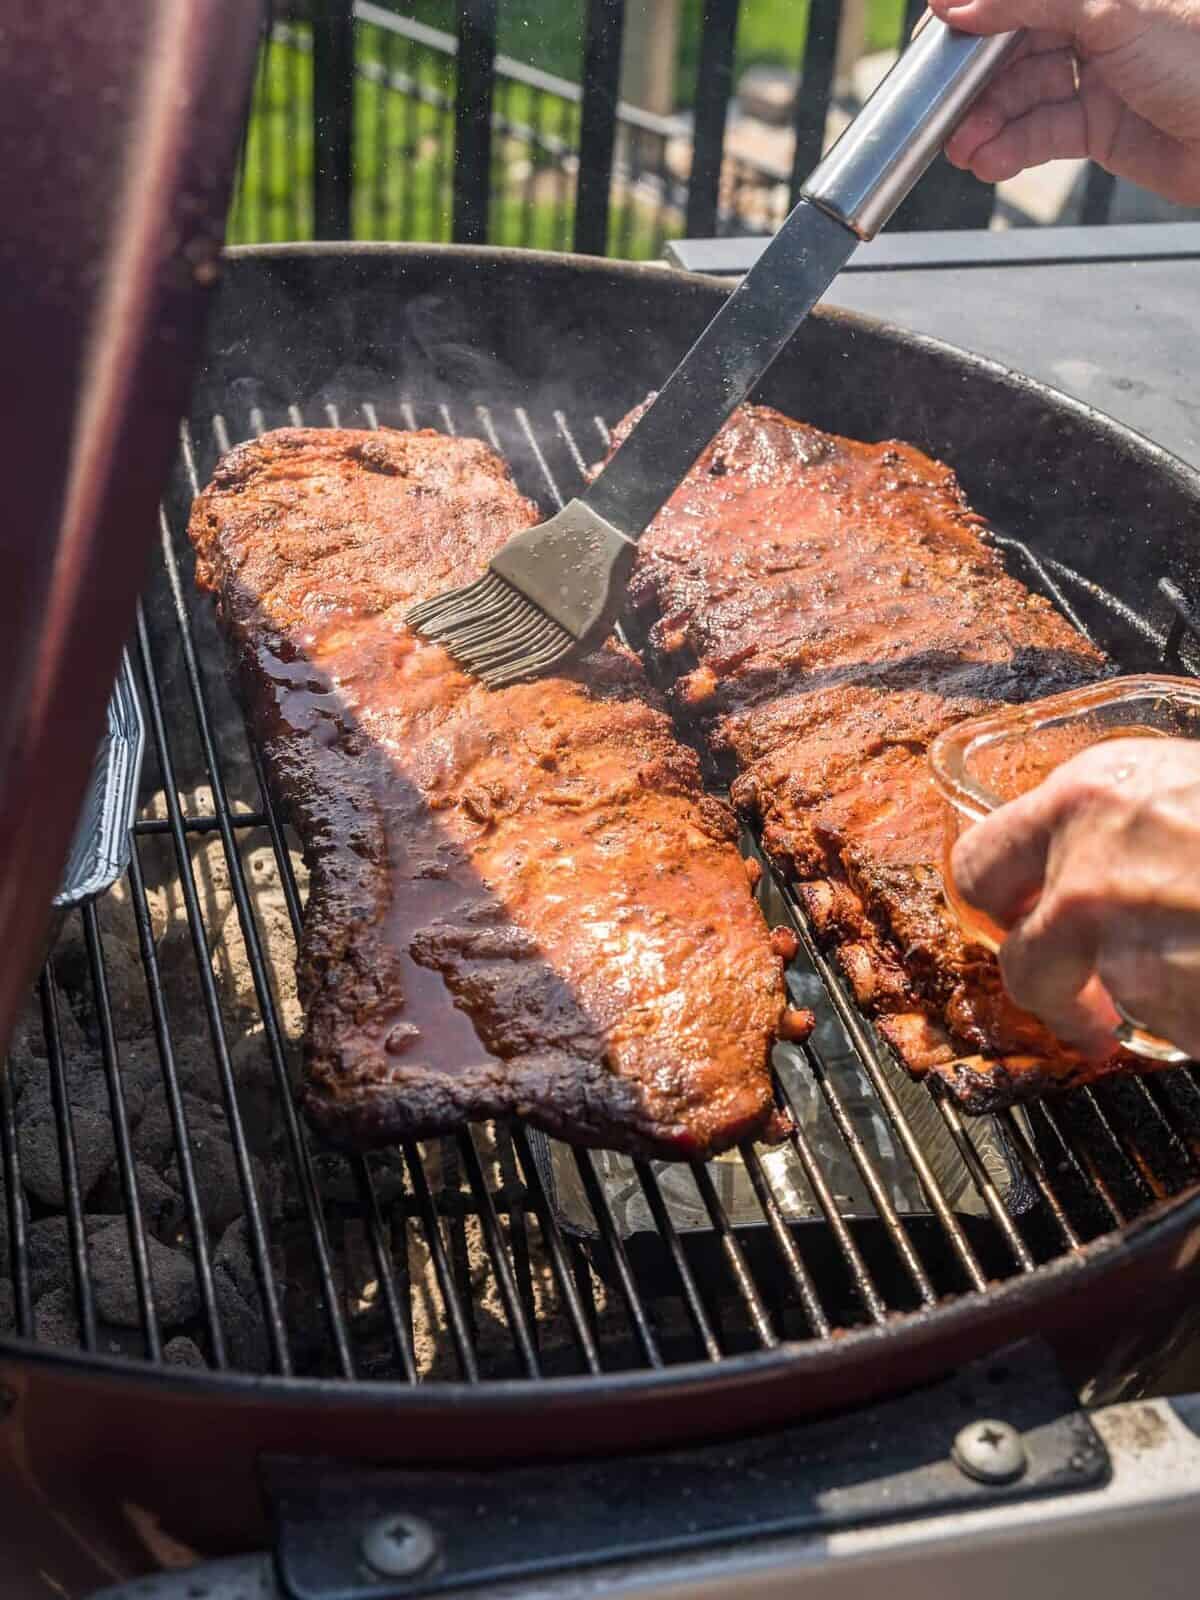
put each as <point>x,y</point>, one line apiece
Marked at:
<point>370,125</point>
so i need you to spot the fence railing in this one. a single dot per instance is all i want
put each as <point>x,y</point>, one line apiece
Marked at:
<point>401,178</point>
<point>370,125</point>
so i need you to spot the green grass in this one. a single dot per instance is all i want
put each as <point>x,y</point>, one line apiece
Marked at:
<point>774,30</point>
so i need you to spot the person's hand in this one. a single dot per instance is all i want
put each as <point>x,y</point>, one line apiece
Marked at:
<point>1115,80</point>
<point>1096,873</point>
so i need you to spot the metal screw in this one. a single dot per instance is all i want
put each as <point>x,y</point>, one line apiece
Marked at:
<point>398,1546</point>
<point>990,1451</point>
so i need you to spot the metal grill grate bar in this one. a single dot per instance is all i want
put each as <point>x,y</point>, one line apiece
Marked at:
<point>14,1198</point>
<point>1082,1162</point>
<point>512,1203</point>
<point>202,824</point>
<point>256,1226</point>
<point>875,1188</point>
<point>460,1327</point>
<point>692,1299</point>
<point>857,1028</point>
<point>381,1254</point>
<point>179,1130</point>
<point>859,1276</point>
<point>250,935</point>
<point>786,1245</point>
<point>552,1234</point>
<point>1181,1092</point>
<point>116,1095</point>
<point>1180,1167</point>
<point>514,1310</point>
<point>1137,1169</point>
<point>986,1187</point>
<point>735,1258</point>
<point>614,1247</point>
<point>1106,1151</point>
<point>398,1241</point>
<point>1035,1169</point>
<point>85,1303</point>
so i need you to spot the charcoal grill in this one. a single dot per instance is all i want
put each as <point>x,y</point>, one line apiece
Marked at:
<point>498,1297</point>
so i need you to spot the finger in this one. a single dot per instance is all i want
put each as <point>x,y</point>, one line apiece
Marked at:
<point>1048,963</point>
<point>1150,965</point>
<point>1047,133</point>
<point>1133,148</point>
<point>1048,76</point>
<point>999,864</point>
<point>1036,41</point>
<point>999,16</point>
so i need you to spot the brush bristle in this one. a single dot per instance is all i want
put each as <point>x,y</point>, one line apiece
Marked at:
<point>474,602</point>
<point>493,631</point>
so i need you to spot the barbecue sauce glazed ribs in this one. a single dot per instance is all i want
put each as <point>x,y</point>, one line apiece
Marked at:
<point>822,609</point>
<point>521,902</point>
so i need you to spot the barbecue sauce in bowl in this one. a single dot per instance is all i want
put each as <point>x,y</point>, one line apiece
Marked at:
<point>1010,768</point>
<point>984,763</point>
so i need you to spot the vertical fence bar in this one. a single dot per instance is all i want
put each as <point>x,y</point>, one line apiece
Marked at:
<point>815,89</point>
<point>714,85</point>
<point>473,119</point>
<point>333,117</point>
<point>598,123</point>
<point>85,1303</point>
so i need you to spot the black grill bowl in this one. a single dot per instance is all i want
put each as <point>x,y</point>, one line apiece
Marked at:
<point>542,353</point>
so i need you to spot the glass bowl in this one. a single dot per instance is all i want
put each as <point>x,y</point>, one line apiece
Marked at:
<point>981,764</point>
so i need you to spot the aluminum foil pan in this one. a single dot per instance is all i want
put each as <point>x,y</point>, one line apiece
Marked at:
<point>100,849</point>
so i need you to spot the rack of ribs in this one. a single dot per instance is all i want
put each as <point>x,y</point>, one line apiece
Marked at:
<point>822,609</point>
<point>521,902</point>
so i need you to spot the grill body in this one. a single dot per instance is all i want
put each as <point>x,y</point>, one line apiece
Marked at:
<point>540,355</point>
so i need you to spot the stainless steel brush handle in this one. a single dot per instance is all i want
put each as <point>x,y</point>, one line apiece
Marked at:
<point>897,134</point>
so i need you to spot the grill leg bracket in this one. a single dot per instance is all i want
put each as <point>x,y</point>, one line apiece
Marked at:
<point>348,1533</point>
